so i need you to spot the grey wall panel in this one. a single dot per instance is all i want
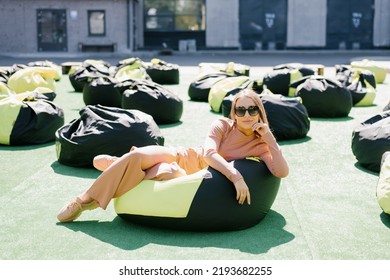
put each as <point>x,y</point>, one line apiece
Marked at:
<point>381,36</point>
<point>222,23</point>
<point>306,23</point>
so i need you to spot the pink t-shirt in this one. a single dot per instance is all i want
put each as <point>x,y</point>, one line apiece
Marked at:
<point>225,139</point>
<point>231,143</point>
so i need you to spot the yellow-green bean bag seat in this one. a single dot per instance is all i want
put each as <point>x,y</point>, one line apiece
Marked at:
<point>379,71</point>
<point>383,186</point>
<point>28,79</point>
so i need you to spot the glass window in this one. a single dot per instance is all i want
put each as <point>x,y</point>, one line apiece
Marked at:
<point>97,23</point>
<point>174,15</point>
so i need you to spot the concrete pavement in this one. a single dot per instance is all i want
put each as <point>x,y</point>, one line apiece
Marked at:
<point>327,58</point>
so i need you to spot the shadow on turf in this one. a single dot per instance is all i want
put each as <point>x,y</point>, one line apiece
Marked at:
<point>259,239</point>
<point>336,119</point>
<point>82,172</point>
<point>294,141</point>
<point>385,218</point>
<point>25,147</point>
<point>361,168</point>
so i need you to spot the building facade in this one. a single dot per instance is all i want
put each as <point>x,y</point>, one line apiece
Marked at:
<point>129,25</point>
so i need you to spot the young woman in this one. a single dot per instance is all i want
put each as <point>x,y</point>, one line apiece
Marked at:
<point>245,133</point>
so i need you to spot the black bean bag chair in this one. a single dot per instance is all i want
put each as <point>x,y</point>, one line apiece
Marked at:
<point>287,116</point>
<point>361,83</point>
<point>371,139</point>
<point>199,88</point>
<point>28,119</point>
<point>230,68</point>
<point>280,78</point>
<point>102,90</point>
<point>79,76</point>
<point>162,72</point>
<point>324,97</point>
<point>204,201</point>
<point>66,66</point>
<point>104,130</point>
<point>302,68</point>
<point>147,96</point>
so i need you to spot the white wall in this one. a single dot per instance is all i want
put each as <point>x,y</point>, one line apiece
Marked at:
<point>381,36</point>
<point>222,26</point>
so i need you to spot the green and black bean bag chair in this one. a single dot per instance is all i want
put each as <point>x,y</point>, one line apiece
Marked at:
<point>204,201</point>
<point>370,140</point>
<point>102,91</point>
<point>27,119</point>
<point>29,78</point>
<point>162,72</point>
<point>49,64</point>
<point>79,76</point>
<point>3,75</point>
<point>279,80</point>
<point>104,130</point>
<point>7,72</point>
<point>324,97</point>
<point>371,65</point>
<point>226,87</point>
<point>131,68</point>
<point>199,88</point>
<point>5,91</point>
<point>147,96</point>
<point>383,185</point>
<point>361,83</point>
<point>287,116</point>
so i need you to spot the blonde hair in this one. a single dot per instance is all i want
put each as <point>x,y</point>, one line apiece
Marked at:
<point>250,93</point>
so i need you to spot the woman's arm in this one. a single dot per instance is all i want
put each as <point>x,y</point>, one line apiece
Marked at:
<point>217,162</point>
<point>274,158</point>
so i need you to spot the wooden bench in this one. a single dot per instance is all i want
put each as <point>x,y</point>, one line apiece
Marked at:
<point>110,47</point>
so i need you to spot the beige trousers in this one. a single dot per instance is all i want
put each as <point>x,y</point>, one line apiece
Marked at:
<point>150,162</point>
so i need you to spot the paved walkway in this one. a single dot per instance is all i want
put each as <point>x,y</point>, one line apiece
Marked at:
<point>252,58</point>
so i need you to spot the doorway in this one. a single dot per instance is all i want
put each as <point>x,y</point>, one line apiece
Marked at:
<point>52,33</point>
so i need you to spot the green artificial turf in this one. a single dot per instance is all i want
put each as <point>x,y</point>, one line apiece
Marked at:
<point>326,208</point>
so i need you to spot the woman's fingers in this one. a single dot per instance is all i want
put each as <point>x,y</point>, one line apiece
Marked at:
<point>242,192</point>
<point>241,196</point>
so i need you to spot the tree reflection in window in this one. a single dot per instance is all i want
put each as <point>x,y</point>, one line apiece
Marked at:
<point>175,15</point>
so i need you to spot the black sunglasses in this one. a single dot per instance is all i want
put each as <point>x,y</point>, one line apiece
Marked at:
<point>252,110</point>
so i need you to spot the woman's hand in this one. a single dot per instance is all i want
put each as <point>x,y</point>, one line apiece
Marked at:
<point>242,192</point>
<point>261,128</point>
